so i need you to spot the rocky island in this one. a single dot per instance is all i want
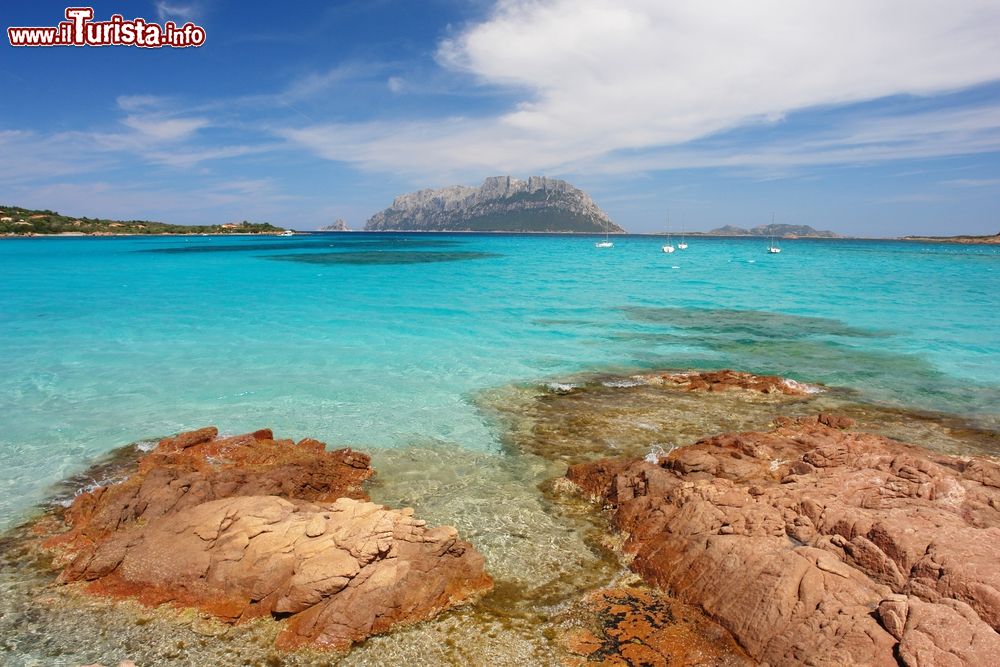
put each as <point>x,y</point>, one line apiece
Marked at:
<point>500,204</point>
<point>781,231</point>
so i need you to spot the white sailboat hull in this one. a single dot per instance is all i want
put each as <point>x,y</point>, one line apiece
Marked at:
<point>668,248</point>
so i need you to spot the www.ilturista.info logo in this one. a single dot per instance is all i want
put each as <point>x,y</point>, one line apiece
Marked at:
<point>79,29</point>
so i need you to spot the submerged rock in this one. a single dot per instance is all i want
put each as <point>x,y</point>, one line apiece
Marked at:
<point>250,526</point>
<point>726,380</point>
<point>813,544</point>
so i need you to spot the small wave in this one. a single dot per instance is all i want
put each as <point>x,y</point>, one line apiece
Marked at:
<point>560,387</point>
<point>146,445</point>
<point>656,452</point>
<point>93,485</point>
<point>624,383</point>
<point>802,386</point>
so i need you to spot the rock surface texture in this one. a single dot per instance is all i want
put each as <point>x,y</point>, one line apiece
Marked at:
<point>250,526</point>
<point>815,545</point>
<point>635,626</point>
<point>501,203</point>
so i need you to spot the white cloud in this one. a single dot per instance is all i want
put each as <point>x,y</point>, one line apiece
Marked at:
<point>314,83</point>
<point>159,128</point>
<point>138,102</point>
<point>167,11</point>
<point>861,141</point>
<point>604,77</point>
<point>395,84</point>
<point>973,183</point>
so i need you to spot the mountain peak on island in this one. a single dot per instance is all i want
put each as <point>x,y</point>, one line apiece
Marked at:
<point>500,204</point>
<point>338,226</point>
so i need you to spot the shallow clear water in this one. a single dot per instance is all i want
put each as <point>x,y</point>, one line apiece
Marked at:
<point>385,341</point>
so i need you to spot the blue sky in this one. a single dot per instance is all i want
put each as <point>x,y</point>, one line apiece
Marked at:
<point>865,118</point>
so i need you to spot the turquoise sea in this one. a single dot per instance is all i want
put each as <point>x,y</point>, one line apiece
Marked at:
<point>385,340</point>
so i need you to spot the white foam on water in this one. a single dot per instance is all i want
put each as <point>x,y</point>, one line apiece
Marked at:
<point>93,485</point>
<point>802,386</point>
<point>623,384</point>
<point>146,445</point>
<point>656,452</point>
<point>560,387</point>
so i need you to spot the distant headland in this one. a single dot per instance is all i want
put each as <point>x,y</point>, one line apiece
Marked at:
<point>17,221</point>
<point>967,240</point>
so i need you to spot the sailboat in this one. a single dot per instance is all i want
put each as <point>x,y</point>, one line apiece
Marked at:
<point>669,247</point>
<point>773,247</point>
<point>606,243</point>
<point>683,244</point>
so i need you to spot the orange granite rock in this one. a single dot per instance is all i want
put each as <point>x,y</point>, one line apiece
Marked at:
<point>250,526</point>
<point>801,540</point>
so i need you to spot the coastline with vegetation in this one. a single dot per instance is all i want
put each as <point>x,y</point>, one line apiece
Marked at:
<point>20,222</point>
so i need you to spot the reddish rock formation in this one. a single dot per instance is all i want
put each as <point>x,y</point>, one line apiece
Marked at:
<point>249,526</point>
<point>196,467</point>
<point>726,380</point>
<point>812,544</point>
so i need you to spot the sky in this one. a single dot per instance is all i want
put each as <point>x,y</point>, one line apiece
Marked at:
<point>869,118</point>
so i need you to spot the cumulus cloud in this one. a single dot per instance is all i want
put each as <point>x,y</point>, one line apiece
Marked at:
<point>605,77</point>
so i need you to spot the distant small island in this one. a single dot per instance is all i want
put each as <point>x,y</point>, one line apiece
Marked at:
<point>967,240</point>
<point>17,221</point>
<point>500,204</point>
<point>780,231</point>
